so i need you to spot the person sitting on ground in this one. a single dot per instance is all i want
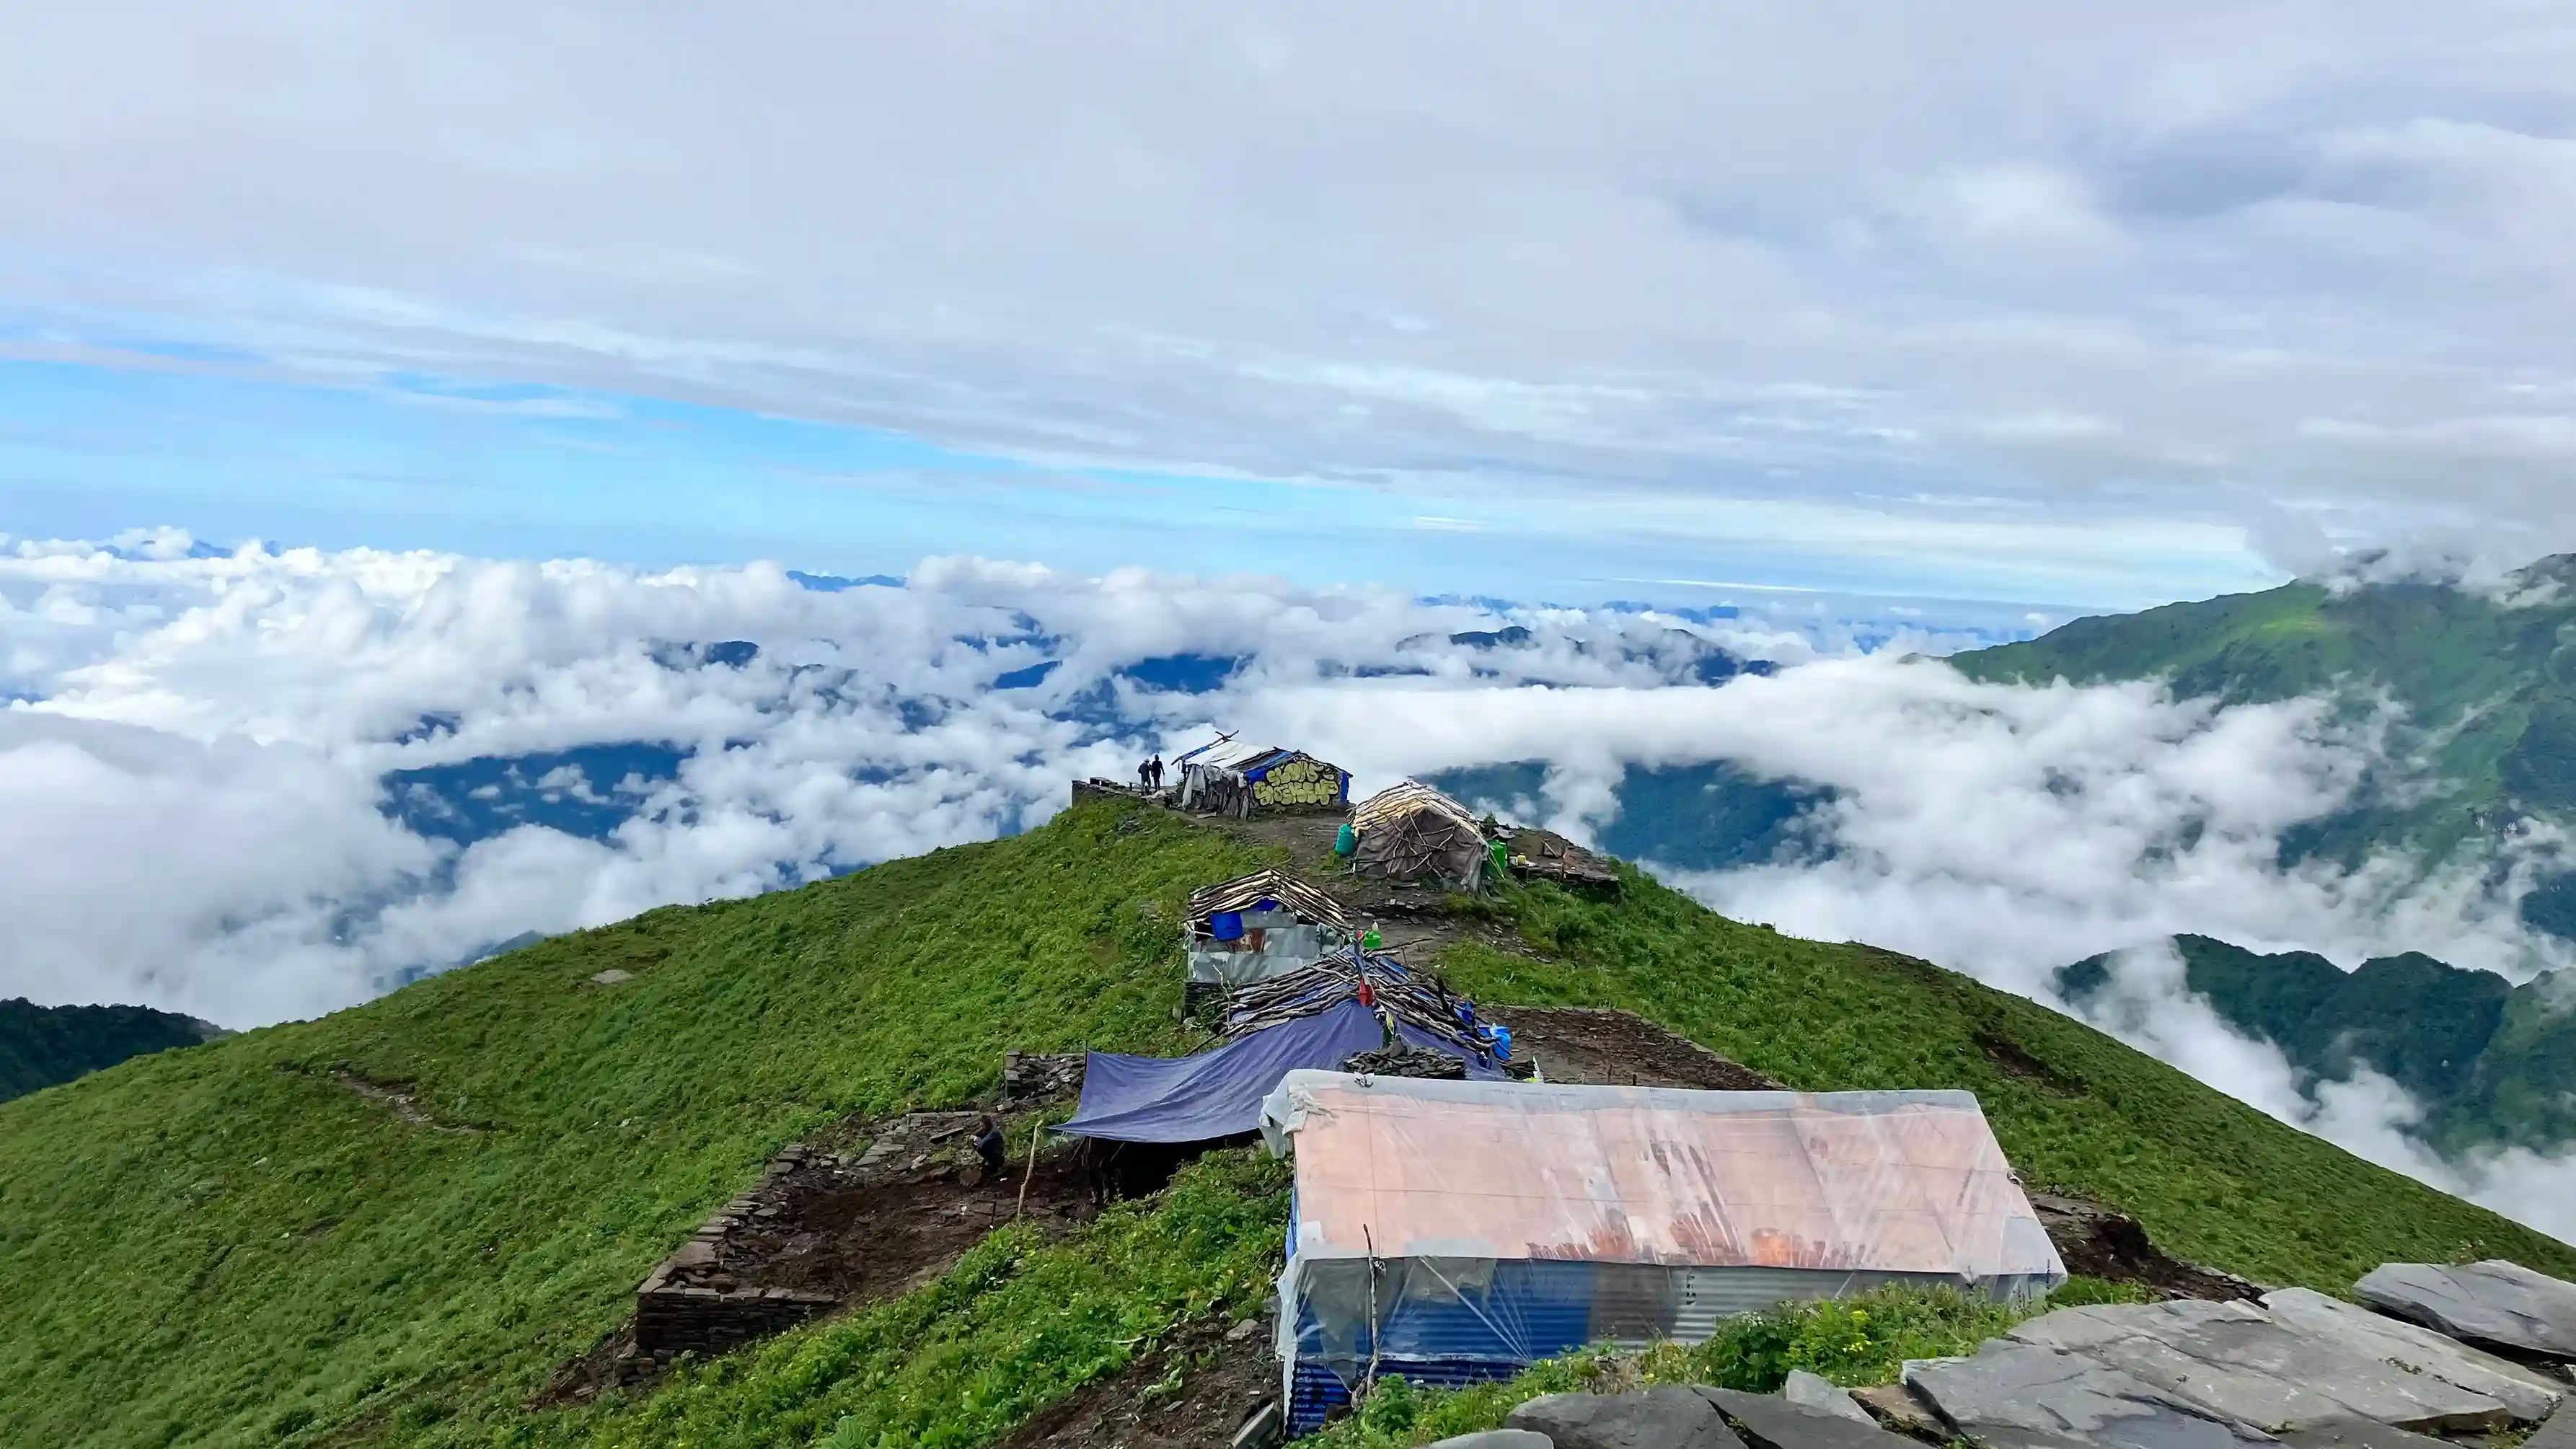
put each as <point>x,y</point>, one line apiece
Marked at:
<point>988,1145</point>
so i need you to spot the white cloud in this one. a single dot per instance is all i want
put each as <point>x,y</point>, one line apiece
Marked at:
<point>1717,251</point>
<point>193,771</point>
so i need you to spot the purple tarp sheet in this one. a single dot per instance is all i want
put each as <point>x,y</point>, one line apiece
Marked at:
<point>1218,1093</point>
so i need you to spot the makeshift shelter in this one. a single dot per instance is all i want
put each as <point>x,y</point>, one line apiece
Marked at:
<point>1453,1232</point>
<point>1261,925</point>
<point>1413,832</point>
<point>1419,1009</point>
<point>1546,855</point>
<point>1233,778</point>
<point>1152,1113</point>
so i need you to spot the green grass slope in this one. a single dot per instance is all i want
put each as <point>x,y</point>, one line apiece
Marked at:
<point>44,1045</point>
<point>226,1245</point>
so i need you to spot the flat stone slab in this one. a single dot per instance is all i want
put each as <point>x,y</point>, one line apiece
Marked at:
<point>1900,1410</point>
<point>1815,1391</point>
<point>2238,1362</point>
<point>2525,1394</point>
<point>2361,1434</point>
<point>2491,1302</point>
<point>1771,1421</point>
<point>1497,1439</point>
<point>2022,1396</point>
<point>2558,1431</point>
<point>1657,1418</point>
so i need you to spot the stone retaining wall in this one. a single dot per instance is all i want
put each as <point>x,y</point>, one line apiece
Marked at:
<point>673,1316</point>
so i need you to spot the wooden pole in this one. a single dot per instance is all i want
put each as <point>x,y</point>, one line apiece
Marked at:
<point>1034,1129</point>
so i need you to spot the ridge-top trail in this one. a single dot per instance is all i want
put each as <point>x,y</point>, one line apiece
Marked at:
<point>227,1245</point>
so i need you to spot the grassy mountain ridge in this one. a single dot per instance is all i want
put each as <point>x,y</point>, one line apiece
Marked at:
<point>2486,681</point>
<point>229,1245</point>
<point>41,1046</point>
<point>2493,1064</point>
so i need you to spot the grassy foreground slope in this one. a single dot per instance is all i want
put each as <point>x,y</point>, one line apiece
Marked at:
<point>229,1245</point>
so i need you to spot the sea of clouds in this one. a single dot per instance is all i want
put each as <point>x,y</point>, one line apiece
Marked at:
<point>255,784</point>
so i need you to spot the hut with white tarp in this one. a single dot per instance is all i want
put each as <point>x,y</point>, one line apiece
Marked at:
<point>1453,1232</point>
<point>1230,777</point>
<point>1413,832</point>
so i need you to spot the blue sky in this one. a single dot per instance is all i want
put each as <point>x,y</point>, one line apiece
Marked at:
<point>226,448</point>
<point>2002,302</point>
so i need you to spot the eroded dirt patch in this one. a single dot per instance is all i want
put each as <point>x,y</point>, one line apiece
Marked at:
<point>1619,1048</point>
<point>1190,1394</point>
<point>827,1232</point>
<point>399,1102</point>
<point>2100,1243</point>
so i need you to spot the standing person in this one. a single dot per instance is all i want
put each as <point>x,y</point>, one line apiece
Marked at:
<point>1144,774</point>
<point>1157,763</point>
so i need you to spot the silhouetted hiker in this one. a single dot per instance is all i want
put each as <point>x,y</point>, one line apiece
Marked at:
<point>1156,765</point>
<point>1144,774</point>
<point>988,1145</point>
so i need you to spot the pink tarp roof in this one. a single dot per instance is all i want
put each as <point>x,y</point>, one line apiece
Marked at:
<point>1897,1182</point>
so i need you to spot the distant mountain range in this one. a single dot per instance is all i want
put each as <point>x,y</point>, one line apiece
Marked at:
<point>2485,679</point>
<point>43,1046</point>
<point>2492,1064</point>
<point>2477,687</point>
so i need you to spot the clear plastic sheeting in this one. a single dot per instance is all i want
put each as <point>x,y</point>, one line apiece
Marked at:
<point>1262,951</point>
<point>1500,1221</point>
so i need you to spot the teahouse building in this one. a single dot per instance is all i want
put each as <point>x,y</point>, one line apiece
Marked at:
<point>1452,1232</point>
<point>1233,778</point>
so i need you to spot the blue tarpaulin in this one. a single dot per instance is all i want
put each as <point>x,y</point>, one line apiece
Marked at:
<point>1218,1093</point>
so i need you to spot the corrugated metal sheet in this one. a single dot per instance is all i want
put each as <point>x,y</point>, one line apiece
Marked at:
<point>1316,1392</point>
<point>1534,1310</point>
<point>1302,900</point>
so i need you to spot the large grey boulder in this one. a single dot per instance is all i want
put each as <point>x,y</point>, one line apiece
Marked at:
<point>2238,1362</point>
<point>1771,1421</point>
<point>2021,1396</point>
<point>1815,1391</point>
<point>2525,1394</point>
<point>2491,1302</point>
<point>1657,1418</point>
<point>1497,1439</point>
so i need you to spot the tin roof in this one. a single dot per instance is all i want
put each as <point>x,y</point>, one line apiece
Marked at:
<point>1874,1182</point>
<point>1241,893</point>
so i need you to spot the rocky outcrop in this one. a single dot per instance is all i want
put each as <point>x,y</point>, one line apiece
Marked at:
<point>2238,1362</point>
<point>2022,1396</point>
<point>1775,1421</point>
<point>2494,1302</point>
<point>1657,1418</point>
<point>2525,1393</point>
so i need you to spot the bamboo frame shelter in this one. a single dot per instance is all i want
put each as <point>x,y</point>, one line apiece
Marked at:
<point>1411,831</point>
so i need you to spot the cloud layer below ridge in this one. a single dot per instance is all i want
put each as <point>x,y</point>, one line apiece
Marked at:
<point>261,785</point>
